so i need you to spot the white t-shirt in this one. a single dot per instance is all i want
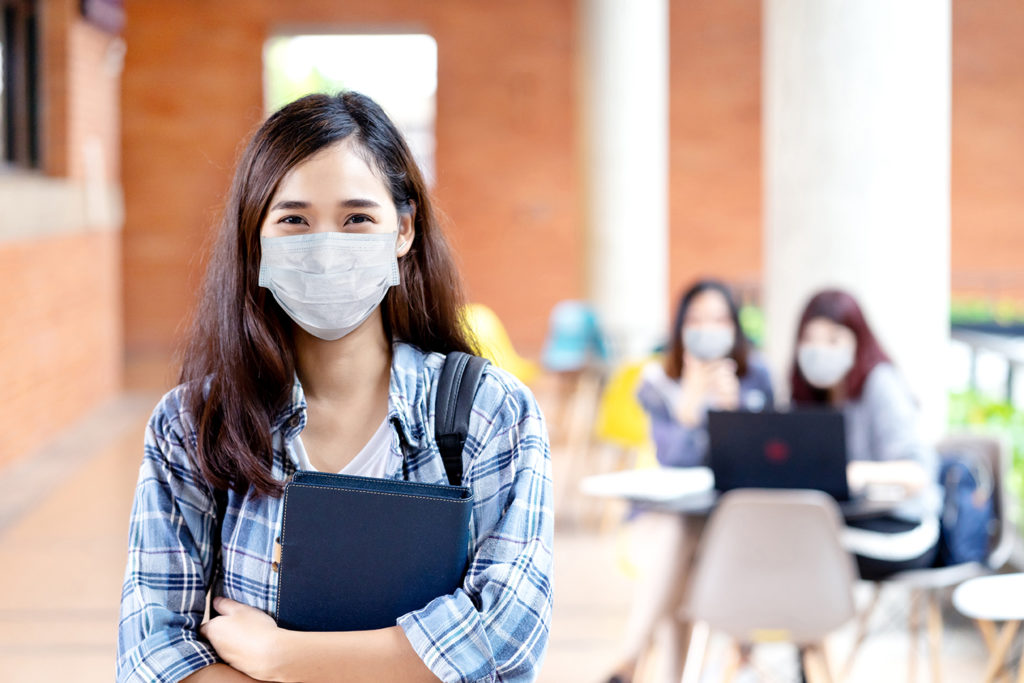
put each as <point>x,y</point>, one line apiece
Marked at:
<point>371,461</point>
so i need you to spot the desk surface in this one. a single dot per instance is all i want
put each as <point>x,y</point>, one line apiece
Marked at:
<point>655,484</point>
<point>690,490</point>
<point>993,598</point>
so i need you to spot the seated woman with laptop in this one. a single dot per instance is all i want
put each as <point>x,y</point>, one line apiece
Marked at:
<point>709,365</point>
<point>839,363</point>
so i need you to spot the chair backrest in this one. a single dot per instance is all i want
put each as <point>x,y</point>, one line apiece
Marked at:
<point>621,419</point>
<point>574,340</point>
<point>771,567</point>
<point>494,344</point>
<point>994,452</point>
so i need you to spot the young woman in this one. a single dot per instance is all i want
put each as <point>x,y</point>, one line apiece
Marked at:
<point>330,300</point>
<point>839,363</point>
<point>709,366</point>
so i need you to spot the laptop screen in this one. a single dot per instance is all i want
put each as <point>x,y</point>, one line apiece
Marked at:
<point>804,449</point>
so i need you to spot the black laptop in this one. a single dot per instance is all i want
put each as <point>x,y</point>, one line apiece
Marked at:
<point>804,449</point>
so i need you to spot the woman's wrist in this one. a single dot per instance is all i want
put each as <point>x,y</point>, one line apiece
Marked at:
<point>382,654</point>
<point>688,410</point>
<point>285,657</point>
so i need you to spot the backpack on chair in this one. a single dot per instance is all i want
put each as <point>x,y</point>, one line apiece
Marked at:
<point>968,511</point>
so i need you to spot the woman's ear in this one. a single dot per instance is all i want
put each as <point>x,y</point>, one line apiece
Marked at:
<point>406,230</point>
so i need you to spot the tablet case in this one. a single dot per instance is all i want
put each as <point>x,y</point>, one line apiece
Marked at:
<point>359,552</point>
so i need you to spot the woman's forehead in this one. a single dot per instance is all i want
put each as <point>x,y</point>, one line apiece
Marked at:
<point>339,169</point>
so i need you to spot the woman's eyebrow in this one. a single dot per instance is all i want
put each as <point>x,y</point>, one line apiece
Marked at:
<point>290,204</point>
<point>359,204</point>
<point>348,204</point>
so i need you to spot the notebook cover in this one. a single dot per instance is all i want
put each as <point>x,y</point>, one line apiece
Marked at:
<point>359,552</point>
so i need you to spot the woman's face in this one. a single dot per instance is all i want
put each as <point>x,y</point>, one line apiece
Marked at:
<point>826,352</point>
<point>825,332</point>
<point>708,309</point>
<point>708,330</point>
<point>335,190</point>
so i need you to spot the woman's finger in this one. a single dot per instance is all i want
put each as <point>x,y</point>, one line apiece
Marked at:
<point>226,606</point>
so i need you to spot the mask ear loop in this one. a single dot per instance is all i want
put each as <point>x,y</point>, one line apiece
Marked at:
<point>401,245</point>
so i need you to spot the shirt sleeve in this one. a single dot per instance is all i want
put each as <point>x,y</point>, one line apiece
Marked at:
<point>675,444</point>
<point>495,627</point>
<point>895,429</point>
<point>164,594</point>
<point>763,383</point>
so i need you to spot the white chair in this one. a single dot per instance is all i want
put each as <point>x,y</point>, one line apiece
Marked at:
<point>925,585</point>
<point>771,568</point>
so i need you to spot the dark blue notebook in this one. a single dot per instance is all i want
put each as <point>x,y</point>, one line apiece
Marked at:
<point>359,552</point>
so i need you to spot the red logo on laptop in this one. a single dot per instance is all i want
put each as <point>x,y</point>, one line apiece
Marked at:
<point>776,451</point>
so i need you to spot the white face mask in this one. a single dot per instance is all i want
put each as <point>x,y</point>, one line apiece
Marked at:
<point>329,282</point>
<point>709,342</point>
<point>824,366</point>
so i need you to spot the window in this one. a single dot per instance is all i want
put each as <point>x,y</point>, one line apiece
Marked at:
<point>19,84</point>
<point>398,71</point>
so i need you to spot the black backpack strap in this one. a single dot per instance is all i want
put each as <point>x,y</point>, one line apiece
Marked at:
<point>220,498</point>
<point>456,388</point>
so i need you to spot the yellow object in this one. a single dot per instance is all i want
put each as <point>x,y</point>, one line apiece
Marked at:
<point>494,344</point>
<point>622,421</point>
<point>770,635</point>
<point>620,418</point>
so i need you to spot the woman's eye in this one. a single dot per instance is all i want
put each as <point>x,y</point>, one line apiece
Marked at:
<point>360,218</point>
<point>293,220</point>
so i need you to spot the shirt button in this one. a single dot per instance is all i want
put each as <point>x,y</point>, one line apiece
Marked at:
<point>275,566</point>
<point>294,420</point>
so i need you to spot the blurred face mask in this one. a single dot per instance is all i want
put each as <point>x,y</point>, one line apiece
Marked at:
<point>709,342</point>
<point>824,366</point>
<point>329,282</point>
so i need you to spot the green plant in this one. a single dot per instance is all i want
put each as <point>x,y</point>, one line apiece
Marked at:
<point>283,84</point>
<point>970,410</point>
<point>752,322</point>
<point>1000,311</point>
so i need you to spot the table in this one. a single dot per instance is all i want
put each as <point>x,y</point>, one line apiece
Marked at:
<point>988,599</point>
<point>691,491</point>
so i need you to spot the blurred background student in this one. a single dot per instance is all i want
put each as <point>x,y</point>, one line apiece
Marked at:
<point>709,365</point>
<point>839,363</point>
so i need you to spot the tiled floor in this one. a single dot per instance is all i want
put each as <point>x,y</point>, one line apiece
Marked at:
<point>63,522</point>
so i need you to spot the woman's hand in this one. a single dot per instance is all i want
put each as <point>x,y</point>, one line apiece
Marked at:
<point>723,385</point>
<point>245,638</point>
<point>710,384</point>
<point>904,478</point>
<point>689,408</point>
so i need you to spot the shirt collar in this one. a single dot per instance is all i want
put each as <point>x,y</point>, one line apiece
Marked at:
<point>407,399</point>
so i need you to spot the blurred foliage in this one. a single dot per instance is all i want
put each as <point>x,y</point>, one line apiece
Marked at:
<point>972,411</point>
<point>999,311</point>
<point>1005,312</point>
<point>752,322</point>
<point>282,87</point>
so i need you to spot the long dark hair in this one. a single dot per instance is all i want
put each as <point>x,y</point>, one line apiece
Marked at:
<point>239,363</point>
<point>675,358</point>
<point>841,308</point>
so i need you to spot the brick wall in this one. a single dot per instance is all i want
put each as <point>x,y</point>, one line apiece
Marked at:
<point>505,149</point>
<point>715,128</point>
<point>60,337</point>
<point>988,140</point>
<point>507,144</point>
<point>61,330</point>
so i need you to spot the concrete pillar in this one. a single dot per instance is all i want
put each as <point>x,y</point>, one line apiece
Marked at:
<point>625,153</point>
<point>856,106</point>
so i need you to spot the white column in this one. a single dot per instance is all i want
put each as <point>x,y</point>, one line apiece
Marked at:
<point>625,151</point>
<point>856,99</point>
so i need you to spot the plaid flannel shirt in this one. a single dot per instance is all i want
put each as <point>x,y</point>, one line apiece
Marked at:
<point>493,628</point>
